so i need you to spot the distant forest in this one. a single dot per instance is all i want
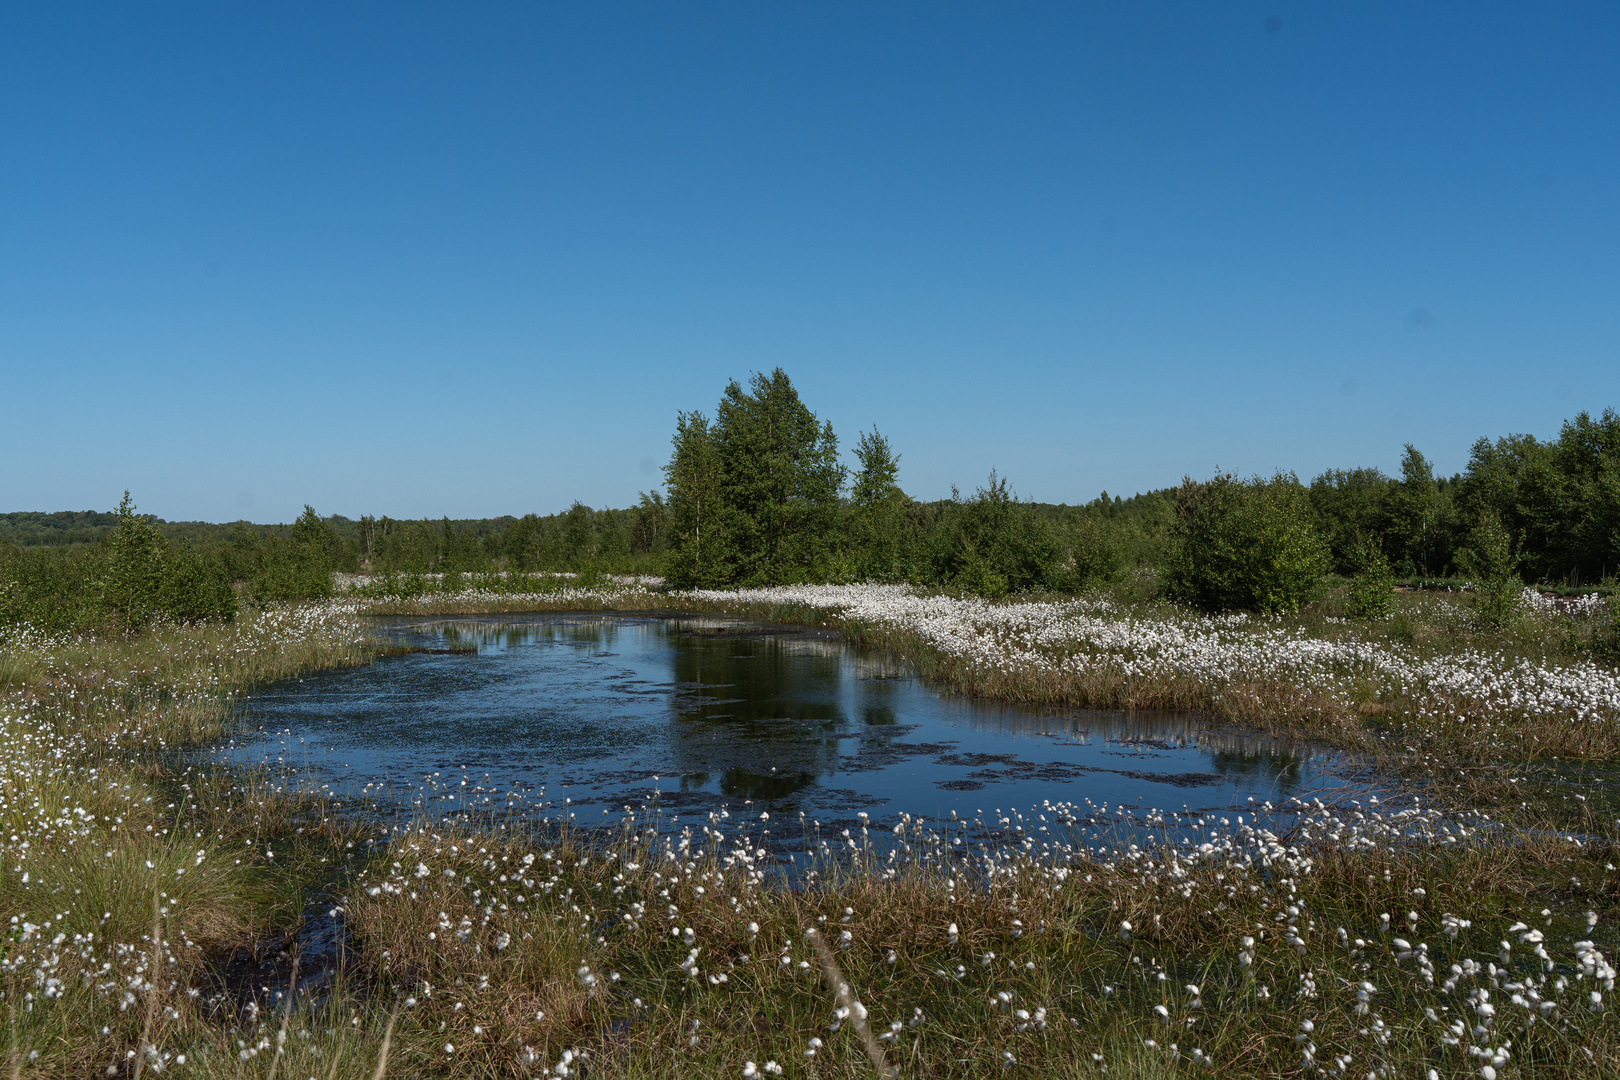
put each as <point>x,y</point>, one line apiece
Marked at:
<point>757,494</point>
<point>631,540</point>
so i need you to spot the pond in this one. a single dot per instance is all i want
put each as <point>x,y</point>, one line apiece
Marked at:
<point>712,712</point>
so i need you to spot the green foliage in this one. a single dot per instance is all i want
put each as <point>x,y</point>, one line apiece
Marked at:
<point>1492,559</point>
<point>1588,457</point>
<point>1605,640</point>
<point>196,585</point>
<point>579,533</point>
<point>54,589</point>
<point>649,525</point>
<point>700,548</point>
<point>34,529</point>
<point>1002,545</point>
<point>1561,498</point>
<point>300,567</point>
<point>133,578</point>
<point>1245,544</point>
<point>1372,590</point>
<point>1349,505</point>
<point>780,479</point>
<point>287,579</point>
<point>877,514</point>
<point>1095,554</point>
<point>1413,535</point>
<point>753,497</point>
<point>875,482</point>
<point>134,582</point>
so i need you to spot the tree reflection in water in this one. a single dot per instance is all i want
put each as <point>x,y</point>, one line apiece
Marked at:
<point>723,710</point>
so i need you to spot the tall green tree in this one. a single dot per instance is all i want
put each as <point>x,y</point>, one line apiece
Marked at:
<point>754,495</point>
<point>1411,513</point>
<point>649,526</point>
<point>1349,505</point>
<point>1588,457</point>
<point>780,482</point>
<point>699,545</point>
<point>578,536</point>
<point>135,562</point>
<point>878,511</point>
<point>1517,479</point>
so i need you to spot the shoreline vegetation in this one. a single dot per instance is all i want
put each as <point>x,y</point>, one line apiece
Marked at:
<point>1382,939</point>
<point>1429,681</point>
<point>168,916</point>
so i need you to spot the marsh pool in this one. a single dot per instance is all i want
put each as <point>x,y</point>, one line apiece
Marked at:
<point>604,710</point>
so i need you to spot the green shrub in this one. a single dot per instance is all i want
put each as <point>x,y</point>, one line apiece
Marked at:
<point>299,568</point>
<point>130,579</point>
<point>291,579</point>
<point>1245,544</point>
<point>1095,556</point>
<point>134,584</point>
<point>976,574</point>
<point>53,589</point>
<point>196,587</point>
<point>1492,560</point>
<point>1605,640</point>
<point>1372,590</point>
<point>1001,545</point>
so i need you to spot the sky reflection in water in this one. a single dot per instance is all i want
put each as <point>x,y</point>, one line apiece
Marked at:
<point>593,707</point>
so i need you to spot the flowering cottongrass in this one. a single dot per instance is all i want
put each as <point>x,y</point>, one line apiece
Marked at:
<point>1456,694</point>
<point>1322,679</point>
<point>1211,943</point>
<point>1380,939</point>
<point>495,591</point>
<point>122,877</point>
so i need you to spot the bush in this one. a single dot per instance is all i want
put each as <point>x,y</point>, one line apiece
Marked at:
<point>1245,544</point>
<point>130,579</point>
<point>196,587</point>
<point>52,589</point>
<point>1001,545</point>
<point>292,579</point>
<point>977,575</point>
<point>134,584</point>
<point>1605,641</point>
<point>299,568</point>
<point>1095,556</point>
<point>1372,590</point>
<point>1492,561</point>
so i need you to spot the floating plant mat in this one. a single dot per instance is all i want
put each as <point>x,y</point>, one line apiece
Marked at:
<point>520,713</point>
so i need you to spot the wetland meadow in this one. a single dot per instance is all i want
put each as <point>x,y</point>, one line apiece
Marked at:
<point>645,831</point>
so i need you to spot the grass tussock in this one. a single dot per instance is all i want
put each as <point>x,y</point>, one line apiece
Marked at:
<point>656,955</point>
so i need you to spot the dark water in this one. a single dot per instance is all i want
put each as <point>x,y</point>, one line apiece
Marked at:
<point>711,712</point>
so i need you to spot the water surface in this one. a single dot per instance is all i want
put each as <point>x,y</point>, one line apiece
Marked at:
<point>712,712</point>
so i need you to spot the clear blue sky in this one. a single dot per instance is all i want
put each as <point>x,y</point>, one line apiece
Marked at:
<point>470,259</point>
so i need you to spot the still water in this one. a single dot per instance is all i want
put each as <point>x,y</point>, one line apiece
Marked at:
<point>713,712</point>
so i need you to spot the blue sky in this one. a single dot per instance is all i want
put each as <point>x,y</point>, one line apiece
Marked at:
<point>470,259</point>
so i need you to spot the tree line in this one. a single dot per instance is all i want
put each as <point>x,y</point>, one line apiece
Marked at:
<point>757,494</point>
